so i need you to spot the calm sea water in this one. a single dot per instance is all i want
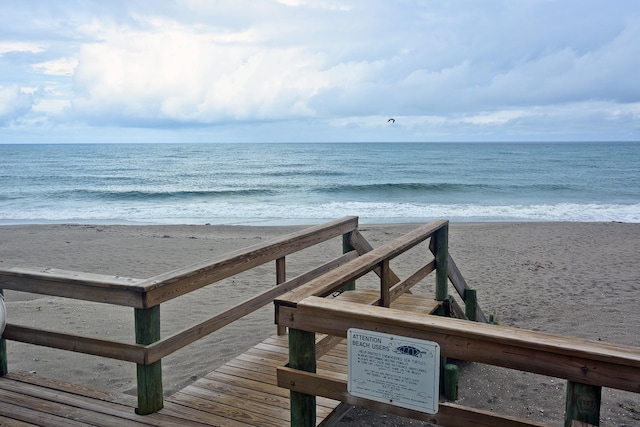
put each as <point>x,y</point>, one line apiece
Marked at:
<point>311,183</point>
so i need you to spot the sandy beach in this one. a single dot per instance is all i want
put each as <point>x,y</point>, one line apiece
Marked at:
<point>574,279</point>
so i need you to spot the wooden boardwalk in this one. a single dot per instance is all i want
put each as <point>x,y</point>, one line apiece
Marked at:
<point>242,392</point>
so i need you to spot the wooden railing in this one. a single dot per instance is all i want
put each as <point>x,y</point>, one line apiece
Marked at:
<point>587,365</point>
<point>146,295</point>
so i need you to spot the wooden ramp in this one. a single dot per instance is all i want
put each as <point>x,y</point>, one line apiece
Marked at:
<point>242,392</point>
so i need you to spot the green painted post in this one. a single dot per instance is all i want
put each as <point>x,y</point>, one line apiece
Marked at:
<point>302,356</point>
<point>451,381</point>
<point>147,324</point>
<point>4,369</point>
<point>346,247</point>
<point>583,404</point>
<point>470,304</point>
<point>440,246</point>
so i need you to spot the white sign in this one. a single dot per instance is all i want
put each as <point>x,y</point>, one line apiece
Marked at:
<point>393,369</point>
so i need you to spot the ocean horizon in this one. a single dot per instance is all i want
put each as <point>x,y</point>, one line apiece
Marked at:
<point>309,183</point>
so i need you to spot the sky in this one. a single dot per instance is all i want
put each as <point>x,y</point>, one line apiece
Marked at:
<point>319,70</point>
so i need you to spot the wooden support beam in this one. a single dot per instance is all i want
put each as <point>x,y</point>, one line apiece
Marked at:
<point>360,244</point>
<point>440,248</point>
<point>458,282</point>
<point>583,405</point>
<point>281,277</point>
<point>576,359</point>
<point>449,414</point>
<point>150,399</point>
<point>173,284</point>
<point>346,248</point>
<point>101,288</point>
<point>191,334</point>
<point>385,283</point>
<point>77,343</point>
<point>470,304</point>
<point>450,380</point>
<point>302,356</point>
<point>335,279</point>
<point>4,369</point>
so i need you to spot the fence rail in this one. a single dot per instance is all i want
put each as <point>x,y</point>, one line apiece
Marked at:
<point>146,295</point>
<point>587,365</point>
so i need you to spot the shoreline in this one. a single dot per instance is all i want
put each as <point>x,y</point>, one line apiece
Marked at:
<point>302,223</point>
<point>568,278</point>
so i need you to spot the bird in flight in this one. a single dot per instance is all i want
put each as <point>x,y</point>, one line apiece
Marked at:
<point>392,120</point>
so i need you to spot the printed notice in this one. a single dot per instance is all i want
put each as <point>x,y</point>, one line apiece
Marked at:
<point>393,369</point>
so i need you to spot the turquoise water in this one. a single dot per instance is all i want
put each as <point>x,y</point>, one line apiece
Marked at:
<point>311,183</point>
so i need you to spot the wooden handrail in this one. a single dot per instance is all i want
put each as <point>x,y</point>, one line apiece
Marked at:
<point>144,293</point>
<point>587,365</point>
<point>580,360</point>
<point>449,414</point>
<point>124,291</point>
<point>333,280</point>
<point>168,345</point>
<point>167,286</point>
<point>135,353</point>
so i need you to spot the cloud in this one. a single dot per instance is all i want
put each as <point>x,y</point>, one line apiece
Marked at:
<point>444,69</point>
<point>12,47</point>
<point>13,103</point>
<point>57,67</point>
<point>177,73</point>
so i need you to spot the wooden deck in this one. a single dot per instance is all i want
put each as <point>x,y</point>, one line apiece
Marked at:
<point>242,392</point>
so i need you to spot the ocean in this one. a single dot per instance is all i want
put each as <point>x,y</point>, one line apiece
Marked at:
<point>280,184</point>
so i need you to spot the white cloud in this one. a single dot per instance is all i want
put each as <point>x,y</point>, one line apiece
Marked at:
<point>57,67</point>
<point>442,68</point>
<point>184,75</point>
<point>9,47</point>
<point>13,103</point>
<point>316,4</point>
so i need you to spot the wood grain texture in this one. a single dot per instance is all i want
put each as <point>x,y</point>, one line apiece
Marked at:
<point>580,360</point>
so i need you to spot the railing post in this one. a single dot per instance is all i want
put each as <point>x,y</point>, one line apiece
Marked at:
<point>440,249</point>
<point>385,283</point>
<point>147,324</point>
<point>470,304</point>
<point>4,369</point>
<point>583,405</point>
<point>346,247</point>
<point>281,277</point>
<point>302,356</point>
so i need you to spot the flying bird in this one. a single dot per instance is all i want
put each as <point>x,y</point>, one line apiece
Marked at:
<point>392,120</point>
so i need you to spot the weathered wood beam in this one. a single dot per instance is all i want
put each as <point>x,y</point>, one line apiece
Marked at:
<point>575,359</point>
<point>149,376</point>
<point>281,277</point>
<point>449,414</point>
<point>302,356</point>
<point>76,343</point>
<point>440,248</point>
<point>167,286</point>
<point>458,281</point>
<point>115,290</point>
<point>180,339</point>
<point>4,369</point>
<point>334,279</point>
<point>582,405</point>
<point>346,247</point>
<point>360,244</point>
